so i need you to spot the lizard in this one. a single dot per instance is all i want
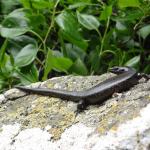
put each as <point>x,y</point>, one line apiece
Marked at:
<point>125,78</point>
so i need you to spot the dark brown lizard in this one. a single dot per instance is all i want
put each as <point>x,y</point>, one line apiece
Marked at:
<point>126,78</point>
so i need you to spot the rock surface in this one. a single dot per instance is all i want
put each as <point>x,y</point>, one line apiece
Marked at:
<point>38,122</point>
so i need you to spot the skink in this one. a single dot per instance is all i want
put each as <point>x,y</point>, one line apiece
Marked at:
<point>126,78</point>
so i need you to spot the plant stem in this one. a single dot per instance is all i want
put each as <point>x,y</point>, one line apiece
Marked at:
<point>52,21</point>
<point>104,36</point>
<point>100,36</point>
<point>39,61</point>
<point>38,37</point>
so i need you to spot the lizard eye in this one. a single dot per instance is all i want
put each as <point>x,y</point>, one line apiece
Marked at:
<point>118,70</point>
<point>121,70</point>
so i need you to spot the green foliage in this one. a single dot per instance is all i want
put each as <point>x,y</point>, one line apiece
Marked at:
<point>69,29</point>
<point>128,3</point>
<point>144,31</point>
<point>88,21</point>
<point>42,37</point>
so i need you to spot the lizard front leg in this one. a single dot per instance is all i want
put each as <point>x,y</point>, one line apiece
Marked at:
<point>80,106</point>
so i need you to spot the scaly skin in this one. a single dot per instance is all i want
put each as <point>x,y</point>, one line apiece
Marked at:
<point>126,78</point>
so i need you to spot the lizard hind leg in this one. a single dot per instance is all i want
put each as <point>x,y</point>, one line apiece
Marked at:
<point>81,106</point>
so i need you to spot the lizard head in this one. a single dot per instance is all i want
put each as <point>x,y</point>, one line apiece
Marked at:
<point>118,70</point>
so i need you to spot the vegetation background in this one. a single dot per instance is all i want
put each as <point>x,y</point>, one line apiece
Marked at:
<point>44,38</point>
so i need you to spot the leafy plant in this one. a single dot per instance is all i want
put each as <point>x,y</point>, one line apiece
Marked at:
<point>42,38</point>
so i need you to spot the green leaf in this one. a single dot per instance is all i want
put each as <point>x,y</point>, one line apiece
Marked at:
<point>144,31</point>
<point>15,24</point>
<point>120,26</point>
<point>12,32</point>
<point>17,43</point>
<point>26,3</point>
<point>70,29</point>
<point>128,3</point>
<point>56,61</point>
<point>147,69</point>
<point>74,52</point>
<point>6,66</point>
<point>34,73</point>
<point>108,51</point>
<point>79,67</point>
<point>38,4</point>
<point>88,21</point>
<point>94,60</point>
<point>48,64</point>
<point>61,64</point>
<point>2,83</point>
<point>130,15</point>
<point>26,55</point>
<point>19,13</point>
<point>36,20</point>
<point>6,61</point>
<point>78,4</point>
<point>106,13</point>
<point>8,5</point>
<point>2,52</point>
<point>28,74</point>
<point>133,61</point>
<point>41,4</point>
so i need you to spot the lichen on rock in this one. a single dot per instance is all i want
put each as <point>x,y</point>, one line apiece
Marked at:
<point>33,111</point>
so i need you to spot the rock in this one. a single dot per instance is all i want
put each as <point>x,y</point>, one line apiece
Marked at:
<point>40,122</point>
<point>2,98</point>
<point>15,93</point>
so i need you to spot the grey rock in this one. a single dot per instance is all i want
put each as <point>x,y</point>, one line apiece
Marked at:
<point>121,122</point>
<point>2,98</point>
